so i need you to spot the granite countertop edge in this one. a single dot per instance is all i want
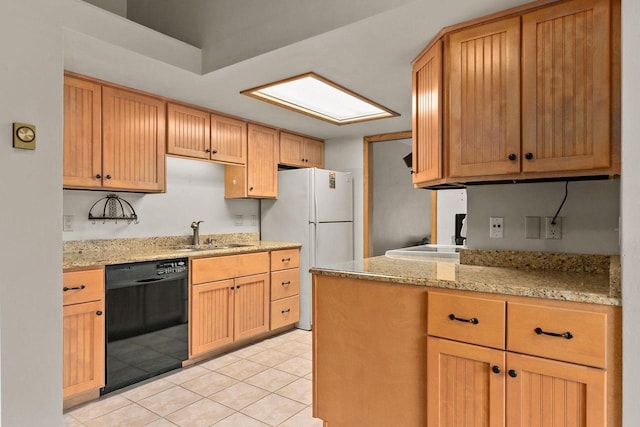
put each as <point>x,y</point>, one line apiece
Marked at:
<point>594,288</point>
<point>99,258</point>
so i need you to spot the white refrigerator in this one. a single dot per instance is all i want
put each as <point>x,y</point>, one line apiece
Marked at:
<point>314,207</point>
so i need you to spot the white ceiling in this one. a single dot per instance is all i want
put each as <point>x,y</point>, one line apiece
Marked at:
<point>365,45</point>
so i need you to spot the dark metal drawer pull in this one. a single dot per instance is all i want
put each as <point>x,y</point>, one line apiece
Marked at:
<point>567,335</point>
<point>286,284</point>
<point>286,311</point>
<point>473,320</point>
<point>75,288</point>
<point>286,259</point>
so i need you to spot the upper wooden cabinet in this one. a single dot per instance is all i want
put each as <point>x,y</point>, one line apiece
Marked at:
<point>199,134</point>
<point>300,151</point>
<point>528,93</point>
<point>427,116</point>
<point>566,87</point>
<point>259,178</point>
<point>484,107</point>
<point>113,138</point>
<point>133,140</point>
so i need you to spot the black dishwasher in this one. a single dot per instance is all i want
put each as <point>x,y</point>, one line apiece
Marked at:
<point>146,318</point>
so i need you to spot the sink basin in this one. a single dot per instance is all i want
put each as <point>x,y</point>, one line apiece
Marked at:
<point>437,251</point>
<point>210,247</point>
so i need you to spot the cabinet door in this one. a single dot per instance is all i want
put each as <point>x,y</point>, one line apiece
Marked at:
<point>82,159</point>
<point>566,88</point>
<point>228,140</point>
<point>133,144</point>
<point>83,347</point>
<point>427,116</point>
<point>549,393</point>
<point>291,149</point>
<point>484,121</point>
<point>262,162</point>
<point>211,320</point>
<point>188,131</point>
<point>463,389</point>
<point>313,153</point>
<point>251,300</point>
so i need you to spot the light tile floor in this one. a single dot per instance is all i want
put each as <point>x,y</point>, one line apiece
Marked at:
<point>266,384</point>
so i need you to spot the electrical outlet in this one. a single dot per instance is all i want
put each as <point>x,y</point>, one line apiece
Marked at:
<point>532,227</point>
<point>552,231</point>
<point>496,227</point>
<point>67,222</point>
<point>238,220</point>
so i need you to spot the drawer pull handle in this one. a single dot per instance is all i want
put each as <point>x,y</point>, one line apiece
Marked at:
<point>286,259</point>
<point>75,288</point>
<point>473,320</point>
<point>286,284</point>
<point>287,311</point>
<point>567,335</point>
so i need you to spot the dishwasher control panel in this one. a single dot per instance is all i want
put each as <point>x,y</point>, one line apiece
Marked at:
<point>168,267</point>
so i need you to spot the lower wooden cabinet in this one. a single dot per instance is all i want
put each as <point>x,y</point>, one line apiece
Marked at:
<point>232,309</point>
<point>285,287</point>
<point>83,332</point>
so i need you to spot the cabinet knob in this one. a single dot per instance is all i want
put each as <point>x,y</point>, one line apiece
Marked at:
<point>412,172</point>
<point>206,150</point>
<point>496,369</point>
<point>215,151</point>
<point>528,156</point>
<point>98,176</point>
<point>512,156</point>
<point>98,313</point>
<point>250,188</point>
<point>108,177</point>
<point>513,373</point>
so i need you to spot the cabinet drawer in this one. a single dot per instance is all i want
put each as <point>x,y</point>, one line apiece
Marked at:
<point>288,258</point>
<point>467,319</point>
<point>228,267</point>
<point>285,311</point>
<point>529,326</point>
<point>285,283</point>
<point>82,286</point>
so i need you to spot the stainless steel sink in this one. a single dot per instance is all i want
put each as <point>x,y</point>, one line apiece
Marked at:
<point>210,247</point>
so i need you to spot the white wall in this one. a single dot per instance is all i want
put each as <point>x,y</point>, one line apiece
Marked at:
<point>30,207</point>
<point>346,155</point>
<point>195,191</point>
<point>589,216</point>
<point>119,7</point>
<point>401,213</point>
<point>630,197</point>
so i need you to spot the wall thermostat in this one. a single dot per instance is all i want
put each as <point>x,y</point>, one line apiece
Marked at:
<point>24,136</point>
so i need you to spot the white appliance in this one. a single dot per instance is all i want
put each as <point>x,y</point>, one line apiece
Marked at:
<point>314,207</point>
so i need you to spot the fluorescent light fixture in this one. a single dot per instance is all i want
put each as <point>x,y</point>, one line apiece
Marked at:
<point>320,98</point>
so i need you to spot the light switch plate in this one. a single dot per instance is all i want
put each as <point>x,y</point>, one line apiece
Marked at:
<point>532,227</point>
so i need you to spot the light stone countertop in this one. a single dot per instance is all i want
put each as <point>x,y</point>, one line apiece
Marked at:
<point>590,287</point>
<point>96,253</point>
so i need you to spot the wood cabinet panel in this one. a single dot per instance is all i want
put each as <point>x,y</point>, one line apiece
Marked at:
<point>484,117</point>
<point>566,87</point>
<point>82,286</point>
<point>285,283</point>
<point>228,267</point>
<point>286,258</point>
<point>313,153</point>
<point>262,162</point>
<point>133,145</point>
<point>188,131</point>
<point>251,299</point>
<point>587,331</point>
<point>82,157</point>
<point>487,329</point>
<point>212,312</point>
<point>285,311</point>
<point>427,116</point>
<point>228,140</point>
<point>291,147</point>
<point>545,393</point>
<point>462,388</point>
<point>83,347</point>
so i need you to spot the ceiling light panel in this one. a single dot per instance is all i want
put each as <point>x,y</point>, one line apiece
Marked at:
<point>318,97</point>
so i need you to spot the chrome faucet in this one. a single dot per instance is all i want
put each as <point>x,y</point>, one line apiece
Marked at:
<point>195,225</point>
